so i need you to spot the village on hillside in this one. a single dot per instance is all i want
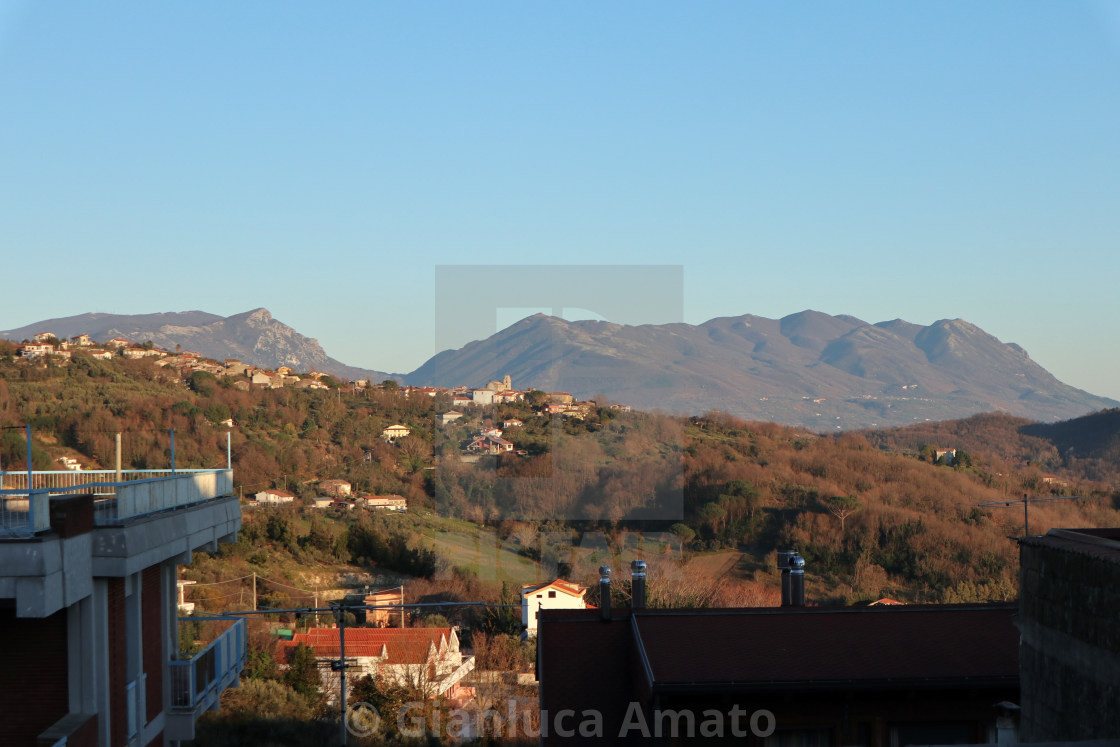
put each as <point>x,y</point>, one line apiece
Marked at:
<point>487,440</point>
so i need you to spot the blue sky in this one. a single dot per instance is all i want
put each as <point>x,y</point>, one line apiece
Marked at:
<point>879,159</point>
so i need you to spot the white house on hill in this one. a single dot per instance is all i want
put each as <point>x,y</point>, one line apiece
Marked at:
<point>555,595</point>
<point>394,432</point>
<point>275,496</point>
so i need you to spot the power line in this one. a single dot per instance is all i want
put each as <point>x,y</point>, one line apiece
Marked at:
<point>288,586</point>
<point>1026,506</point>
<point>215,583</point>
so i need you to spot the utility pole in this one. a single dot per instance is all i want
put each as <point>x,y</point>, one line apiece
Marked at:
<point>1026,507</point>
<point>402,605</point>
<point>117,441</point>
<point>342,666</point>
<point>254,592</point>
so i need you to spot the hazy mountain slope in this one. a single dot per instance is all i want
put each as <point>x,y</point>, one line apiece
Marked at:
<point>808,369</point>
<point>253,337</point>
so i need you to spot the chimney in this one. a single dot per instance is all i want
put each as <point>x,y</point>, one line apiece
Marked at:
<point>605,593</point>
<point>638,585</point>
<point>783,566</point>
<point>796,581</point>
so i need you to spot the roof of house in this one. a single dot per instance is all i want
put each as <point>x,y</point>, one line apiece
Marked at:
<point>1102,544</point>
<point>277,492</point>
<point>768,649</point>
<point>402,645</point>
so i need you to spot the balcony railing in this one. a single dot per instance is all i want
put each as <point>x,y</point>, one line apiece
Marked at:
<point>24,512</point>
<point>197,682</point>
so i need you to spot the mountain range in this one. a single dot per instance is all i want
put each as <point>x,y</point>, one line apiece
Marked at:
<point>253,337</point>
<point>810,369</point>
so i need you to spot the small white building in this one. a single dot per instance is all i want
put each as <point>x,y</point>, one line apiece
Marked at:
<point>385,502</point>
<point>274,496</point>
<point>555,595</point>
<point>450,417</point>
<point>394,432</point>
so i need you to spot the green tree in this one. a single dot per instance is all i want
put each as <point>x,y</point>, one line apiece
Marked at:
<point>684,533</point>
<point>203,383</point>
<point>387,697</point>
<point>279,529</point>
<point>265,699</point>
<point>303,673</point>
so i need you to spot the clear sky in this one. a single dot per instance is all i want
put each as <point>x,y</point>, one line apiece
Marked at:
<point>880,159</point>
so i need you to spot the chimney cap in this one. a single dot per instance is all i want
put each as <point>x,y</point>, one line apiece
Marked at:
<point>638,566</point>
<point>604,573</point>
<point>797,563</point>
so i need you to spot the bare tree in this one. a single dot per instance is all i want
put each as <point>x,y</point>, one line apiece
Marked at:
<point>842,506</point>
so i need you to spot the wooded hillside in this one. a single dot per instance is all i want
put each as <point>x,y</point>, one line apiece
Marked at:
<point>871,513</point>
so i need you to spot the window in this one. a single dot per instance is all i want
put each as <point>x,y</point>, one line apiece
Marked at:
<point>552,595</point>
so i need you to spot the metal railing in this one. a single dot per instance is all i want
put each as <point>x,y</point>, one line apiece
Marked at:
<point>199,680</point>
<point>24,512</point>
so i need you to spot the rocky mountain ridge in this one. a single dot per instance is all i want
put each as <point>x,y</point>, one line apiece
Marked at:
<point>809,369</point>
<point>254,337</point>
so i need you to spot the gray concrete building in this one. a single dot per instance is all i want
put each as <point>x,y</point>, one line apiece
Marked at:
<point>89,648</point>
<point>1069,624</point>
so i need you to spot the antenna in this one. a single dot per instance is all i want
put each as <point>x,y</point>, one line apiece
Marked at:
<point>1026,506</point>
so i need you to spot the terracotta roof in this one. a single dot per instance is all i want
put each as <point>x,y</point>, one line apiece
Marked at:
<point>402,645</point>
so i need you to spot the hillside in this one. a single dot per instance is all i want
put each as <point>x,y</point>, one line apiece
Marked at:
<point>1084,448</point>
<point>584,489</point>
<point>809,369</point>
<point>253,337</point>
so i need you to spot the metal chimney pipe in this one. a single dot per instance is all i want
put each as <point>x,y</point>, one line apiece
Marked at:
<point>783,566</point>
<point>797,581</point>
<point>605,593</point>
<point>638,584</point>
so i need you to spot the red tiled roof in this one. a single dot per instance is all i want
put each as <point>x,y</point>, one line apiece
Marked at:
<point>402,645</point>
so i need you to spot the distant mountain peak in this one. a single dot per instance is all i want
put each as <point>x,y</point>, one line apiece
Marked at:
<point>253,337</point>
<point>808,369</point>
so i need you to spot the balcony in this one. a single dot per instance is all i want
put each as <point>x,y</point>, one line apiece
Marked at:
<point>197,683</point>
<point>60,530</point>
<point>118,497</point>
